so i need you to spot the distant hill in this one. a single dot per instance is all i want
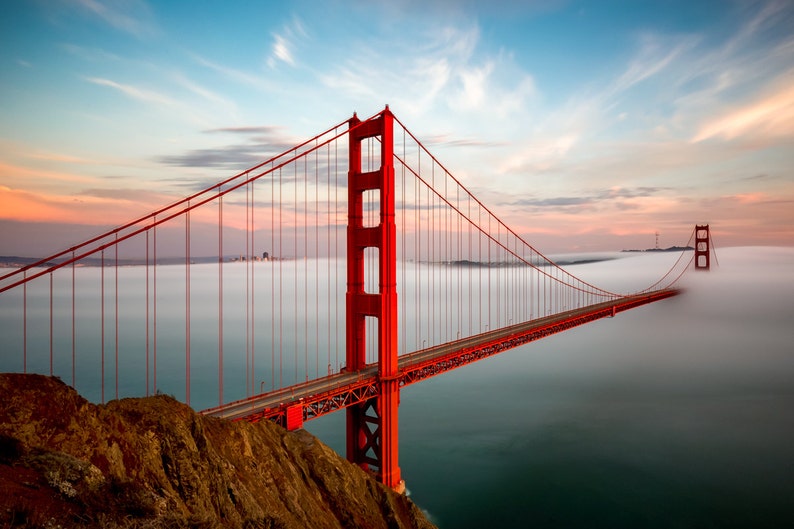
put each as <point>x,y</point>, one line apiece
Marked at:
<point>670,249</point>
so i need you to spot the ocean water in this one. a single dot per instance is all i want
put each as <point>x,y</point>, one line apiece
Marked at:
<point>675,414</point>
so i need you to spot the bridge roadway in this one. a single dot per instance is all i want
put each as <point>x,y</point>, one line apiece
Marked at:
<point>327,394</point>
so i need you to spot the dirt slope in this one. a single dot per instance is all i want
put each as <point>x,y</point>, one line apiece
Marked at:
<point>153,462</point>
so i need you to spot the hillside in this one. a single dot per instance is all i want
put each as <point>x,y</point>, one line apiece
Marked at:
<point>154,462</point>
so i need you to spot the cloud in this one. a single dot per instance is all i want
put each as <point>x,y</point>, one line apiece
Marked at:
<point>131,16</point>
<point>89,54</point>
<point>137,196</point>
<point>474,83</point>
<point>267,130</point>
<point>203,92</point>
<point>243,77</point>
<point>12,174</point>
<point>615,194</point>
<point>553,202</point>
<point>61,158</point>
<point>770,116</point>
<point>92,207</point>
<point>260,143</point>
<point>450,140</point>
<point>413,72</point>
<point>232,157</point>
<point>281,52</point>
<point>140,94</point>
<point>284,43</point>
<point>656,54</point>
<point>176,101</point>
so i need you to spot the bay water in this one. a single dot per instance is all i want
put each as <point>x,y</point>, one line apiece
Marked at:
<point>675,414</point>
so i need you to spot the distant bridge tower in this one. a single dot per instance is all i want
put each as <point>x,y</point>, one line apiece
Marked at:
<point>702,250</point>
<point>372,425</point>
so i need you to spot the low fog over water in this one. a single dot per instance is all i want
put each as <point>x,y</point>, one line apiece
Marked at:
<point>676,414</point>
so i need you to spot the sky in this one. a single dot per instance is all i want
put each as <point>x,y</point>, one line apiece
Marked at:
<point>583,125</point>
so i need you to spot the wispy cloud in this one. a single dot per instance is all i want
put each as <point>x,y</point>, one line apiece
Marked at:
<point>255,80</point>
<point>203,92</point>
<point>31,177</point>
<point>95,206</point>
<point>453,141</point>
<point>175,99</point>
<point>598,197</point>
<point>259,143</point>
<point>284,43</point>
<point>656,53</point>
<point>140,94</point>
<point>770,116</point>
<point>131,16</point>
<point>89,54</point>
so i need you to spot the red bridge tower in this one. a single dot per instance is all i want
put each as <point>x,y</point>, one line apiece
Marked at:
<point>702,251</point>
<point>372,425</point>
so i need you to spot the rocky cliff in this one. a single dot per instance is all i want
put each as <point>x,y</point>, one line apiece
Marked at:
<point>153,462</point>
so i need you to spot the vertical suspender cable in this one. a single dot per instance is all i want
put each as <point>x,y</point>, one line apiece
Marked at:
<point>220,297</point>
<point>335,254</point>
<point>490,265</point>
<point>154,303</point>
<point>457,231</point>
<point>401,286</point>
<point>24,323</point>
<point>316,264</point>
<point>50,323</point>
<point>418,246</point>
<point>280,291</point>
<point>73,325</point>
<point>305,268</point>
<point>432,267</point>
<point>116,314</point>
<point>252,262</point>
<point>403,214</point>
<point>272,283</point>
<point>328,241</point>
<point>470,301</point>
<point>295,267</point>
<point>187,306</point>
<point>247,294</point>
<point>147,313</point>
<point>498,275</point>
<point>102,321</point>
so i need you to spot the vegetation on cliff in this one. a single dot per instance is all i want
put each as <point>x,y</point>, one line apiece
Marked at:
<point>154,462</point>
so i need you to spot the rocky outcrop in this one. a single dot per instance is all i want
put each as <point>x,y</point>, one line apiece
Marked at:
<point>153,462</point>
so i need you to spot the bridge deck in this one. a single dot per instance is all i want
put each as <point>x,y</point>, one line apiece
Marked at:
<point>325,395</point>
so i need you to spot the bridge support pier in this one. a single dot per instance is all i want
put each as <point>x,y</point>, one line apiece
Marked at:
<point>372,427</point>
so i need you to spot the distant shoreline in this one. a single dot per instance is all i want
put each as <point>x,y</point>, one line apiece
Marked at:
<point>14,261</point>
<point>670,249</point>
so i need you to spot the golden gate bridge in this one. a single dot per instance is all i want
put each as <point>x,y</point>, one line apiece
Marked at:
<point>380,270</point>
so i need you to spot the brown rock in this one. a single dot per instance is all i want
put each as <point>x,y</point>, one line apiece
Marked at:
<point>153,462</point>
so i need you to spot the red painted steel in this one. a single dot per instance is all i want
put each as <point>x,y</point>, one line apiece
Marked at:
<point>344,390</point>
<point>372,431</point>
<point>702,250</point>
<point>294,417</point>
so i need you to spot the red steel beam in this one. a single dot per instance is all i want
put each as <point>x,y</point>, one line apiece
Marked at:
<point>329,394</point>
<point>421,365</point>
